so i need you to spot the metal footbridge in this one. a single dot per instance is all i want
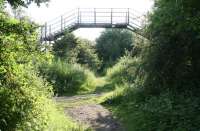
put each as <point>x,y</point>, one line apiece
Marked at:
<point>93,18</point>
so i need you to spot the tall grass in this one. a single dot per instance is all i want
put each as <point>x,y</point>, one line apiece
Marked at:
<point>68,79</point>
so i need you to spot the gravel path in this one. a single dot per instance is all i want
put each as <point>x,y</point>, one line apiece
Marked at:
<point>94,115</point>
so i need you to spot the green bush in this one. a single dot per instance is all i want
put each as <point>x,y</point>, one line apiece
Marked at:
<point>68,78</point>
<point>124,71</point>
<point>24,96</point>
<point>28,105</point>
<point>168,111</point>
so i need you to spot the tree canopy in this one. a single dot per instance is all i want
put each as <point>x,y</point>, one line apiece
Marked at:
<point>175,32</point>
<point>76,50</point>
<point>25,3</point>
<point>112,44</point>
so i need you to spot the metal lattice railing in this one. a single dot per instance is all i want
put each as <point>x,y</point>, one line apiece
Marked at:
<point>92,18</point>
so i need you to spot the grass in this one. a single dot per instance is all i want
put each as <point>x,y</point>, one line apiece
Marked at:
<point>69,79</point>
<point>73,79</point>
<point>63,122</point>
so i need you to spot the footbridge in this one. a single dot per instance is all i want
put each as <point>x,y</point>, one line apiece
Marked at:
<point>93,18</point>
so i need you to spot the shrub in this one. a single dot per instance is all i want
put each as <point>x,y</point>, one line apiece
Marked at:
<point>28,105</point>
<point>168,111</point>
<point>124,71</point>
<point>24,96</point>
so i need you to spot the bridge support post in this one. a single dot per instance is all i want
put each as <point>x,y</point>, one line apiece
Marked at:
<point>111,16</point>
<point>49,30</point>
<point>45,32</point>
<point>128,17</point>
<point>78,16</point>
<point>94,15</point>
<point>61,23</point>
<point>41,32</point>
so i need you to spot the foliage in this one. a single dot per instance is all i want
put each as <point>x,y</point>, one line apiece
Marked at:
<point>68,78</point>
<point>20,107</point>
<point>17,47</point>
<point>164,95</point>
<point>112,44</point>
<point>25,3</point>
<point>24,96</point>
<point>173,62</point>
<point>28,108</point>
<point>124,71</point>
<point>167,111</point>
<point>65,48</point>
<point>75,50</point>
<point>87,55</point>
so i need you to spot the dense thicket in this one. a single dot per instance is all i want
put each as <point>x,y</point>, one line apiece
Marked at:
<point>164,95</point>
<point>17,104</point>
<point>174,61</point>
<point>25,102</point>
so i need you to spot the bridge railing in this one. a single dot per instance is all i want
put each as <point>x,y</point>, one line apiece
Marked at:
<point>98,17</point>
<point>103,15</point>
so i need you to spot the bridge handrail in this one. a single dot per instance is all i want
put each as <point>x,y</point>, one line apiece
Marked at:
<point>94,16</point>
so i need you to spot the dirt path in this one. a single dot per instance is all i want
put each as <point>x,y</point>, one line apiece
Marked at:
<point>94,115</point>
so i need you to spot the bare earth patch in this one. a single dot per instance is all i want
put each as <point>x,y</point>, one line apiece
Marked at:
<point>94,115</point>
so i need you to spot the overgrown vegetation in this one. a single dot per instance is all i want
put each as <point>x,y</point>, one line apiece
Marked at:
<point>70,69</point>
<point>25,98</point>
<point>68,79</point>
<point>164,95</point>
<point>155,82</point>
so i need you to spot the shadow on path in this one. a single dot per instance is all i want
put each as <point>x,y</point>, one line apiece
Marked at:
<point>96,116</point>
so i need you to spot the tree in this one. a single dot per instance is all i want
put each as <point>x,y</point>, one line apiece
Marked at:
<point>112,44</point>
<point>65,48</point>
<point>76,50</point>
<point>87,54</point>
<point>173,61</point>
<point>25,3</point>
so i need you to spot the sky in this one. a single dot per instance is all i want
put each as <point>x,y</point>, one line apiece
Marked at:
<point>56,8</point>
